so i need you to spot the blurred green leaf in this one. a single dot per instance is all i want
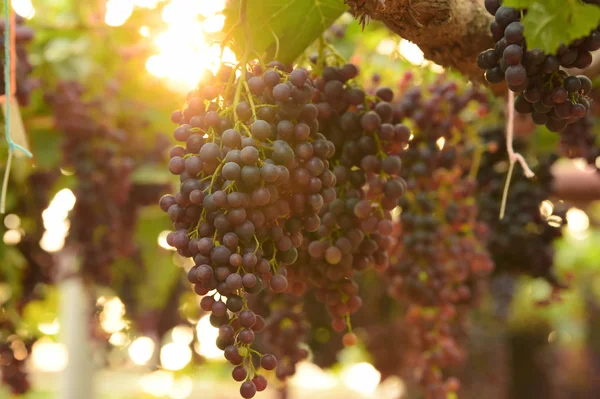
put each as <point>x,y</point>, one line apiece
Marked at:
<point>280,29</point>
<point>160,272</point>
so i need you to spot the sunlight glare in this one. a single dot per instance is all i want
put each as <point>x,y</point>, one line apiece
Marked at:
<point>49,328</point>
<point>411,52</point>
<point>211,7</point>
<point>310,375</point>
<point>361,377</point>
<point>175,356</point>
<point>441,142</point>
<point>183,49</point>
<point>118,339</point>
<point>141,350</point>
<point>145,31</point>
<point>182,334</point>
<point>207,336</point>
<point>12,237</point>
<point>182,388</point>
<point>546,209</point>
<point>118,12</point>
<point>578,221</point>
<point>214,24</point>
<point>48,356</point>
<point>177,10</point>
<point>162,241</point>
<point>24,8</point>
<point>158,383</point>
<point>386,46</point>
<point>150,4</point>
<point>12,221</point>
<point>111,318</point>
<point>56,221</point>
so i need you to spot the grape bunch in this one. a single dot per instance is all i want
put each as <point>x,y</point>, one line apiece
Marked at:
<point>522,242</point>
<point>440,261</point>
<point>23,68</point>
<point>356,228</point>
<point>286,329</point>
<point>103,158</point>
<point>254,175</point>
<point>579,140</point>
<point>549,94</point>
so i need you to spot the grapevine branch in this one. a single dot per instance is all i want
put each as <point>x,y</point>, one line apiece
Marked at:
<point>450,33</point>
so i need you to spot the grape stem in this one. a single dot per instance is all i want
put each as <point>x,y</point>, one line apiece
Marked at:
<point>513,156</point>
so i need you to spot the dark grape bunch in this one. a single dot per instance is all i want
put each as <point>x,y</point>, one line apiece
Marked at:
<point>549,94</point>
<point>441,260</point>
<point>103,158</point>
<point>356,228</point>
<point>286,329</point>
<point>522,242</point>
<point>579,140</point>
<point>254,175</point>
<point>25,84</point>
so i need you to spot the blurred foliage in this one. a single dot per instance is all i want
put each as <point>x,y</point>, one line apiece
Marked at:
<point>72,42</point>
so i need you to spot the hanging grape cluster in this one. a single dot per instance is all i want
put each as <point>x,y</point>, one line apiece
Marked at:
<point>440,259</point>
<point>522,241</point>
<point>103,158</point>
<point>292,181</point>
<point>254,176</point>
<point>356,228</point>
<point>549,94</point>
<point>579,140</point>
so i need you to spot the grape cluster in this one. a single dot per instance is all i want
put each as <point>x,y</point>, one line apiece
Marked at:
<point>89,149</point>
<point>103,158</point>
<point>441,260</point>
<point>286,329</point>
<point>549,94</point>
<point>522,241</point>
<point>23,35</point>
<point>254,175</point>
<point>579,140</point>
<point>356,228</point>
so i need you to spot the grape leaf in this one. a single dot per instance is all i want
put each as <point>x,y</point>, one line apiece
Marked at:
<point>550,23</point>
<point>280,29</point>
<point>520,4</point>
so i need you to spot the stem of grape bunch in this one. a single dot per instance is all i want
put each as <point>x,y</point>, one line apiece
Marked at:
<point>513,156</point>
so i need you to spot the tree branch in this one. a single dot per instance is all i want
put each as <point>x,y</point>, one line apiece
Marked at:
<point>450,33</point>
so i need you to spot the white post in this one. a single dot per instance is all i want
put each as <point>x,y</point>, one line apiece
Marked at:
<point>76,380</point>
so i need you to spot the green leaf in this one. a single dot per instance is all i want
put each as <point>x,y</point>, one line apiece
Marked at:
<point>520,4</point>
<point>550,23</point>
<point>280,29</point>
